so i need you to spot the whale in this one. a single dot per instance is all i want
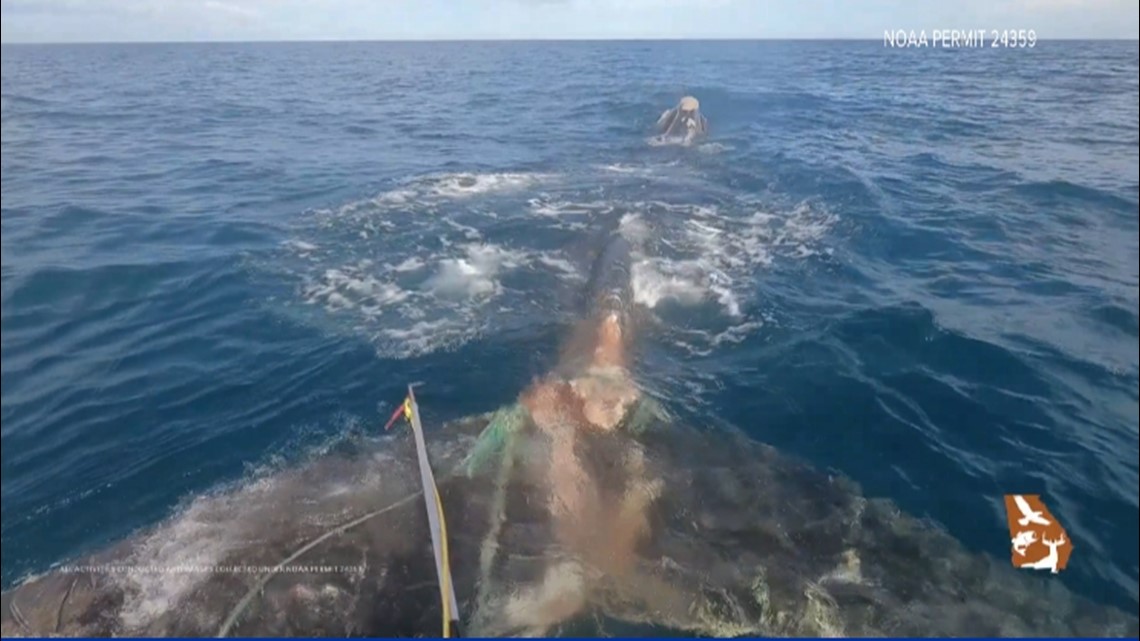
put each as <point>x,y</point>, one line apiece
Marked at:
<point>588,507</point>
<point>683,122</point>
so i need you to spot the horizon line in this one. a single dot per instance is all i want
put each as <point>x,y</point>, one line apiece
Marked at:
<point>429,40</point>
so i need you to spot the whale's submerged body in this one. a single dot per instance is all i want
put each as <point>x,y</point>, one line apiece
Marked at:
<point>638,524</point>
<point>739,540</point>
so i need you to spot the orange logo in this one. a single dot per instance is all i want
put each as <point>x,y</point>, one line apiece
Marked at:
<point>1038,540</point>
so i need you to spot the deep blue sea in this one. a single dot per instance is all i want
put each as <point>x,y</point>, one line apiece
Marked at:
<point>916,267</point>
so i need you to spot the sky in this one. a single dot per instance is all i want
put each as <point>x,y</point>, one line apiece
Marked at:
<point>229,20</point>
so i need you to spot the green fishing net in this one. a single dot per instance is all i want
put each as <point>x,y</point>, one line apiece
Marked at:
<point>512,419</point>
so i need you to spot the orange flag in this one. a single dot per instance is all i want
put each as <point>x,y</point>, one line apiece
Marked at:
<point>405,408</point>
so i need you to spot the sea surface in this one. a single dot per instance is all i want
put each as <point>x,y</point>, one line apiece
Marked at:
<point>915,267</point>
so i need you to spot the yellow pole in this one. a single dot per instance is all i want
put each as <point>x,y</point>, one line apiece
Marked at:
<point>436,523</point>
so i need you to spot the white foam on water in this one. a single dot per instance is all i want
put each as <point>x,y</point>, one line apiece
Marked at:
<point>545,206</point>
<point>350,287</point>
<point>420,268</point>
<point>562,266</point>
<point>474,274</point>
<point>398,196</point>
<point>634,229</point>
<point>439,307</point>
<point>702,342</point>
<point>427,336</point>
<point>416,195</point>
<point>436,294</point>
<point>701,248</point>
<point>654,281</point>
<point>463,185</point>
<point>713,148</point>
<point>620,168</point>
<point>469,232</point>
<point>701,255</point>
<point>618,171</point>
<point>363,209</point>
<point>668,141</point>
<point>300,246</point>
<point>411,267</point>
<point>409,264</point>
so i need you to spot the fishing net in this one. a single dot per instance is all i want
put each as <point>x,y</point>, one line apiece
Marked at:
<point>726,537</point>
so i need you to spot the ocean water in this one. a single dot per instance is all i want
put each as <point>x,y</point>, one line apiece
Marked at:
<point>918,267</point>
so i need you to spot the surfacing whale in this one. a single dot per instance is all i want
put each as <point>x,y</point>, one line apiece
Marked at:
<point>741,541</point>
<point>684,122</point>
<point>583,509</point>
